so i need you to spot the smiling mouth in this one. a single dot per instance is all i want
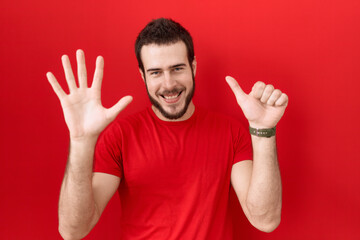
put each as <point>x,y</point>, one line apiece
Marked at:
<point>172,96</point>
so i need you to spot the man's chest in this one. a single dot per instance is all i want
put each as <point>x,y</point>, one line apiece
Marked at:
<point>171,158</point>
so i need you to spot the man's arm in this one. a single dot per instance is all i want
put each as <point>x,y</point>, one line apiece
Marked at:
<point>257,183</point>
<point>84,195</point>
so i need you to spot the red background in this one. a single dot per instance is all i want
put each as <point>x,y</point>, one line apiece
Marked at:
<point>308,48</point>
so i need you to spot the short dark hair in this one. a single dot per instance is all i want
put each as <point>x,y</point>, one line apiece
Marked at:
<point>163,31</point>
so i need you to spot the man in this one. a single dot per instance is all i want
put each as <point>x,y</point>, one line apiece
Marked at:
<point>172,163</point>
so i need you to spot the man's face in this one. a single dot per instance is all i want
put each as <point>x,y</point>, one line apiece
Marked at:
<point>169,79</point>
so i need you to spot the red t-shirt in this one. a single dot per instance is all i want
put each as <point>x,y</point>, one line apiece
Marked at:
<point>175,176</point>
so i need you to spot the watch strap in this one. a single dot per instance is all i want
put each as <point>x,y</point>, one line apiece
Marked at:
<point>263,132</point>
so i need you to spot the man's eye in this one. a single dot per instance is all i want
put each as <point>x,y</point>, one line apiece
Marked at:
<point>178,69</point>
<point>154,73</point>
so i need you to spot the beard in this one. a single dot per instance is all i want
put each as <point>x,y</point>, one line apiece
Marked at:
<point>179,114</point>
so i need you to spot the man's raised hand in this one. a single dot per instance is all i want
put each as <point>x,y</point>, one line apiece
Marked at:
<point>84,114</point>
<point>263,106</point>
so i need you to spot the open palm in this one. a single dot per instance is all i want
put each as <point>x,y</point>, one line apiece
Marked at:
<point>84,114</point>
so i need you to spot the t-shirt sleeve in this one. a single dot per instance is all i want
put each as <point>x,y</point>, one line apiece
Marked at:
<point>107,157</point>
<point>242,144</point>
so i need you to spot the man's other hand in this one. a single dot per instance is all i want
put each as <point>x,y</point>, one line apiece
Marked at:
<point>263,106</point>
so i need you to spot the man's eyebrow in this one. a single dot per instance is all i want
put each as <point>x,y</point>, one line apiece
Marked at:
<point>172,66</point>
<point>178,65</point>
<point>153,69</point>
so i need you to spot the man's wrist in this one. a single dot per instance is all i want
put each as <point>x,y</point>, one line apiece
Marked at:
<point>83,144</point>
<point>90,139</point>
<point>81,153</point>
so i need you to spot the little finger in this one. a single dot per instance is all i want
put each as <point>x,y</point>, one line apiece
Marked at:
<point>282,101</point>
<point>55,85</point>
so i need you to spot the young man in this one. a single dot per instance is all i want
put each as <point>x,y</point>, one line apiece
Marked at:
<point>172,163</point>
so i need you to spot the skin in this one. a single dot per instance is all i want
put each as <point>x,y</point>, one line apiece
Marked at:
<point>258,183</point>
<point>85,194</point>
<point>168,73</point>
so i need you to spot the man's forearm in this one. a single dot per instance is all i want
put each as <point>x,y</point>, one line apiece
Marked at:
<point>77,209</point>
<point>264,195</point>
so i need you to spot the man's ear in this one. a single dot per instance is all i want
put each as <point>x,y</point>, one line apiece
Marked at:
<point>142,74</point>
<point>194,63</point>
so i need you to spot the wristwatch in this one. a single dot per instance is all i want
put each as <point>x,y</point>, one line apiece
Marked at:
<point>263,132</point>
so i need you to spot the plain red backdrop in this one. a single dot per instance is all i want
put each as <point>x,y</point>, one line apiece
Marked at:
<point>308,48</point>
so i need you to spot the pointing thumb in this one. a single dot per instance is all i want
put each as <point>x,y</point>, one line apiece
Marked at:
<point>238,92</point>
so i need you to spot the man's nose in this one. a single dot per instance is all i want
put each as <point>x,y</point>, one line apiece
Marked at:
<point>169,80</point>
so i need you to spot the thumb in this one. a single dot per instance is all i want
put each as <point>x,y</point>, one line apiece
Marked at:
<point>240,95</point>
<point>119,106</point>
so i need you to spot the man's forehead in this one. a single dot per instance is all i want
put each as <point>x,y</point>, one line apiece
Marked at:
<point>155,55</point>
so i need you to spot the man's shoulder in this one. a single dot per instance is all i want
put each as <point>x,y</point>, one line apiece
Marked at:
<point>212,115</point>
<point>129,121</point>
<point>138,117</point>
<point>220,125</point>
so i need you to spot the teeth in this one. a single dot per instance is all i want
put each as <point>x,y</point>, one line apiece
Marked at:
<point>170,97</point>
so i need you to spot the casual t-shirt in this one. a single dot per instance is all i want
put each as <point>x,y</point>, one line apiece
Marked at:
<point>175,176</point>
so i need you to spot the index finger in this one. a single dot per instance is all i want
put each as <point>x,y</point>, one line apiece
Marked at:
<point>99,73</point>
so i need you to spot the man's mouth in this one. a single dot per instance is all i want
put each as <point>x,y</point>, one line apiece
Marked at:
<point>172,97</point>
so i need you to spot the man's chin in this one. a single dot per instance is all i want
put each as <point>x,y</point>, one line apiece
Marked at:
<point>178,111</point>
<point>173,115</point>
